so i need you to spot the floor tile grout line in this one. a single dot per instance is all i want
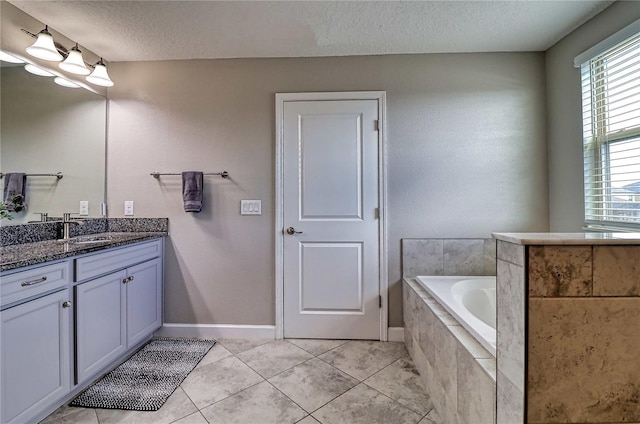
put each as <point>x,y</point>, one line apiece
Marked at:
<point>314,357</point>
<point>263,380</point>
<point>331,400</point>
<point>232,394</point>
<point>261,376</point>
<point>267,378</point>
<point>382,369</point>
<point>345,372</point>
<point>336,397</point>
<point>296,403</point>
<point>357,378</point>
<point>395,401</point>
<point>321,353</point>
<point>190,400</point>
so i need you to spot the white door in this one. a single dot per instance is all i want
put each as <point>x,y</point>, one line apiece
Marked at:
<point>330,216</point>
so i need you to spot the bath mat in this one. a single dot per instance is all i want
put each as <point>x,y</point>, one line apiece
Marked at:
<point>146,380</point>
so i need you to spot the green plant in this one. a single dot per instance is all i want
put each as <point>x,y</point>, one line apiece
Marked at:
<point>17,203</point>
<point>4,212</point>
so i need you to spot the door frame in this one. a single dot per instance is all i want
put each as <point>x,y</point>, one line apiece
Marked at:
<point>383,284</point>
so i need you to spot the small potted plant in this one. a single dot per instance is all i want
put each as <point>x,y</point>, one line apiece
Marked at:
<point>17,203</point>
<point>4,212</point>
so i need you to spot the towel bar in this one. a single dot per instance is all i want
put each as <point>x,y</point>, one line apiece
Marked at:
<point>58,175</point>
<point>223,174</point>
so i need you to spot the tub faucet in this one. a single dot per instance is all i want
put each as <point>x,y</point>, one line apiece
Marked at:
<point>66,225</point>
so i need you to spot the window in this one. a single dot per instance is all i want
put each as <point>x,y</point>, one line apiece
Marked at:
<point>611,135</point>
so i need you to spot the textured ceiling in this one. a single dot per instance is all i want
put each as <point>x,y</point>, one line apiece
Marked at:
<point>166,30</point>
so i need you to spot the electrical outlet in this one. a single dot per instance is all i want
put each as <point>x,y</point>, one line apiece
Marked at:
<point>84,208</point>
<point>251,207</point>
<point>128,207</point>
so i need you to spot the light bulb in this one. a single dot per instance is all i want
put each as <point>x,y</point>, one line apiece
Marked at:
<point>44,48</point>
<point>74,63</point>
<point>99,75</point>
<point>6,57</point>
<point>37,71</point>
<point>65,82</point>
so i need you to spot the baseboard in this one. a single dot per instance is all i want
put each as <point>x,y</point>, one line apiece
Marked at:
<point>221,331</point>
<point>232,331</point>
<point>395,334</point>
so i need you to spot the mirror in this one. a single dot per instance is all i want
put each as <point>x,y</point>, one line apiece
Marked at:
<point>46,129</point>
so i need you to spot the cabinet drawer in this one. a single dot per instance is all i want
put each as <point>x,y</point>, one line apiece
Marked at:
<point>25,284</point>
<point>113,260</point>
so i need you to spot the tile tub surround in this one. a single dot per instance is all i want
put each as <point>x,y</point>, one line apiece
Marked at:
<point>581,294</point>
<point>473,256</point>
<point>457,371</point>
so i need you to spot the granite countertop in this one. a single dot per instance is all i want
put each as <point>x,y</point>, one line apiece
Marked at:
<point>26,254</point>
<point>570,238</point>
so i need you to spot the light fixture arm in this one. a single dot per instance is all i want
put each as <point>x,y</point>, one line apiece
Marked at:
<point>61,49</point>
<point>72,59</point>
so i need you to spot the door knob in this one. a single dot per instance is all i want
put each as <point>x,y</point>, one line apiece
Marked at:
<point>66,304</point>
<point>291,231</point>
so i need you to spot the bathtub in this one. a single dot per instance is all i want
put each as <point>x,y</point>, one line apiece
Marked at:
<point>470,300</point>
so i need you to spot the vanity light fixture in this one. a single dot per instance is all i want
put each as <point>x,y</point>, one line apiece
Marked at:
<point>74,63</point>
<point>44,47</point>
<point>99,76</point>
<point>65,82</point>
<point>6,57</point>
<point>37,71</point>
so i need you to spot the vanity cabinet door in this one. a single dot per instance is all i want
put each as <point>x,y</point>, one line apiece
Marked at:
<point>144,300</point>
<point>35,356</point>
<point>100,323</point>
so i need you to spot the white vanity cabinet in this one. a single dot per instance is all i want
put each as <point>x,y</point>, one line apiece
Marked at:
<point>116,311</point>
<point>65,323</point>
<point>35,352</point>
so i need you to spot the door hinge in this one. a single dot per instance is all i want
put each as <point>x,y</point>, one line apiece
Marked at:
<point>380,301</point>
<point>376,213</point>
<point>376,125</point>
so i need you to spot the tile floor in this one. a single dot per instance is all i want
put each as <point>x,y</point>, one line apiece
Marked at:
<point>287,381</point>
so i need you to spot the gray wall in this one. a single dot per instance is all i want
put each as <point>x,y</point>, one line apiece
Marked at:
<point>564,118</point>
<point>466,156</point>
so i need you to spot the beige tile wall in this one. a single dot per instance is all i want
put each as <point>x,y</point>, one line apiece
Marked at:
<point>511,333</point>
<point>437,256</point>
<point>583,327</point>
<point>459,374</point>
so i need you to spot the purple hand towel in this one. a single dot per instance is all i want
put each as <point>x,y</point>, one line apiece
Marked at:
<point>14,185</point>
<point>192,191</point>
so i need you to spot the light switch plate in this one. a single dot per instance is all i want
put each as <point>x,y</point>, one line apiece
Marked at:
<point>84,208</point>
<point>128,207</point>
<point>250,207</point>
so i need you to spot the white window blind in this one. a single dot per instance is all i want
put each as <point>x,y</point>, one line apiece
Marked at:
<point>611,136</point>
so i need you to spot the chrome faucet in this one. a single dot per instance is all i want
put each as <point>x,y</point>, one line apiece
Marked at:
<point>44,217</point>
<point>66,225</point>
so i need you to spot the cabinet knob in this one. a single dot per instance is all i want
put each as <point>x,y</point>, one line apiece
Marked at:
<point>127,280</point>
<point>67,304</point>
